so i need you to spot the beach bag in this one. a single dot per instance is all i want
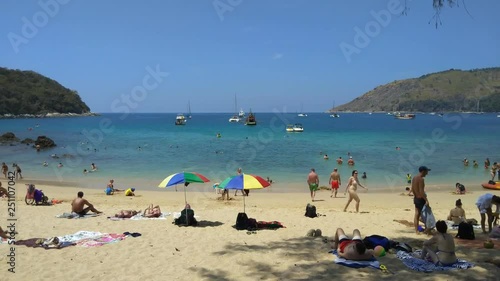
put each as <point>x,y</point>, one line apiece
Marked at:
<point>252,224</point>
<point>401,246</point>
<point>465,231</point>
<point>373,241</point>
<point>186,218</point>
<point>241,221</point>
<point>311,211</point>
<point>428,217</point>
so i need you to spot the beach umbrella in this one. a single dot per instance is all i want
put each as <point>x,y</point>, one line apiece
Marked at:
<point>185,177</point>
<point>244,181</point>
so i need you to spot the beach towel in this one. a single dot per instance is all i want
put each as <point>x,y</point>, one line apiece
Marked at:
<point>269,225</point>
<point>355,264</point>
<point>428,217</point>
<point>75,216</point>
<point>451,225</point>
<point>418,264</point>
<point>163,216</point>
<point>91,239</point>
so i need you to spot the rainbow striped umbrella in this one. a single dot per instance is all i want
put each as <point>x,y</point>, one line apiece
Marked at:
<point>244,181</point>
<point>185,177</point>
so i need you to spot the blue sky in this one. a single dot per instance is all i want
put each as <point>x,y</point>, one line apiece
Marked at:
<point>272,54</point>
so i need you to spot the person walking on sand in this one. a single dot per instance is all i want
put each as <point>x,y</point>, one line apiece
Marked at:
<point>313,183</point>
<point>335,182</point>
<point>5,169</point>
<point>352,186</point>
<point>420,198</point>
<point>78,205</point>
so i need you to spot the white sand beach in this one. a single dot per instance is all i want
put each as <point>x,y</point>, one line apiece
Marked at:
<point>215,250</point>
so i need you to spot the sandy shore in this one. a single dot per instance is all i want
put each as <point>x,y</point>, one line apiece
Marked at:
<point>216,251</point>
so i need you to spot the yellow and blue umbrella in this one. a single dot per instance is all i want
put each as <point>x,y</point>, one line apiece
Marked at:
<point>244,181</point>
<point>185,177</point>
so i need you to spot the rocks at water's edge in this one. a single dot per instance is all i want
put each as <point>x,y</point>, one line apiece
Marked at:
<point>8,138</point>
<point>43,142</point>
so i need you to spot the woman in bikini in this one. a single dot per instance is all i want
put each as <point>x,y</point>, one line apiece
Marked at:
<point>126,214</point>
<point>352,186</point>
<point>152,212</point>
<point>441,247</point>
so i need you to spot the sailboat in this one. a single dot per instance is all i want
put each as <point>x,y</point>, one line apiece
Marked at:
<point>235,118</point>
<point>189,110</point>
<point>334,115</point>
<point>301,114</point>
<point>251,121</point>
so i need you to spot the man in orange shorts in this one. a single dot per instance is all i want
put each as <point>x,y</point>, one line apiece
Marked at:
<point>335,182</point>
<point>351,249</point>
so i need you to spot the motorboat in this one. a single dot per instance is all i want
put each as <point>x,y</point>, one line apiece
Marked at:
<point>180,119</point>
<point>302,115</point>
<point>251,121</point>
<point>406,116</point>
<point>334,115</point>
<point>298,127</point>
<point>241,114</point>
<point>234,119</point>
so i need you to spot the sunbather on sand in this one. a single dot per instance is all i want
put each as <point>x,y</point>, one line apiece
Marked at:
<point>152,212</point>
<point>441,247</point>
<point>126,214</point>
<point>351,249</point>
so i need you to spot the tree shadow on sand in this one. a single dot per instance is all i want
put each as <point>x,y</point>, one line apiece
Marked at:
<point>306,258</point>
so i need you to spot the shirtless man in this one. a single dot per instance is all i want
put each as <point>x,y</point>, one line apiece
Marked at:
<point>351,249</point>
<point>339,160</point>
<point>335,182</point>
<point>350,162</point>
<point>313,182</point>
<point>78,205</point>
<point>420,199</point>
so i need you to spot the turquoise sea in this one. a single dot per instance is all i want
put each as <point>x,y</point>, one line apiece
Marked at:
<point>112,142</point>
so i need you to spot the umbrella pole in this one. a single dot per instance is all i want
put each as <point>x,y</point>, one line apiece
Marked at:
<point>185,198</point>
<point>244,204</point>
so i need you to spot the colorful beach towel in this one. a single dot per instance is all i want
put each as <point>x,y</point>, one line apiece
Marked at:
<point>355,264</point>
<point>414,263</point>
<point>91,239</point>
<point>75,216</point>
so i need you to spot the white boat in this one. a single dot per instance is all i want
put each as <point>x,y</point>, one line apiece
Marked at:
<point>405,116</point>
<point>241,114</point>
<point>334,115</point>
<point>236,117</point>
<point>180,119</point>
<point>498,116</point>
<point>297,128</point>
<point>302,115</point>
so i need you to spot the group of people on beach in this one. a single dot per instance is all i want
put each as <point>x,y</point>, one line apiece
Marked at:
<point>17,170</point>
<point>110,189</point>
<point>335,182</point>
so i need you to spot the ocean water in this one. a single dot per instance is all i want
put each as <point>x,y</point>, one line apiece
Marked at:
<point>112,142</point>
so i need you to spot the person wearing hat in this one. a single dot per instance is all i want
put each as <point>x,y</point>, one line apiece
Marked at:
<point>457,215</point>
<point>130,192</point>
<point>420,197</point>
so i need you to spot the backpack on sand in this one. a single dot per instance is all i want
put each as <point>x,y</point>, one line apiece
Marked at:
<point>465,231</point>
<point>241,221</point>
<point>311,211</point>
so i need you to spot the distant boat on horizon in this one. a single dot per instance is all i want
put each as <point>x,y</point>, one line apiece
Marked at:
<point>251,121</point>
<point>235,118</point>
<point>301,114</point>
<point>180,119</point>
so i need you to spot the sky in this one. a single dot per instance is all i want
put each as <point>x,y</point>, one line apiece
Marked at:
<point>285,55</point>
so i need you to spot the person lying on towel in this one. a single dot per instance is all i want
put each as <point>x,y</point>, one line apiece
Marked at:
<point>351,249</point>
<point>125,214</point>
<point>152,212</point>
